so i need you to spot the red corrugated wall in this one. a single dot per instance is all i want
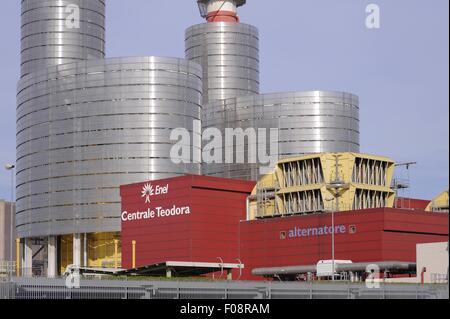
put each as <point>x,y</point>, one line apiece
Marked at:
<point>411,203</point>
<point>210,231</point>
<point>216,228</point>
<point>381,235</point>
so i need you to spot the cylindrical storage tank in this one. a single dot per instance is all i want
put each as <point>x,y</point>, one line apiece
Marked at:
<point>229,55</point>
<point>84,129</point>
<point>61,31</point>
<point>307,122</point>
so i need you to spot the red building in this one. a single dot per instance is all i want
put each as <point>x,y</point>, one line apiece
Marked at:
<point>189,218</point>
<point>411,203</point>
<point>198,219</point>
<point>372,235</point>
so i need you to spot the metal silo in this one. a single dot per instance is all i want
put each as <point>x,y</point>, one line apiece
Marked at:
<point>86,125</point>
<point>308,122</point>
<point>61,31</point>
<point>85,128</point>
<point>227,50</point>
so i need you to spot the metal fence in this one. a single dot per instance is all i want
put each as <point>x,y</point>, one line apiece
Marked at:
<point>7,267</point>
<point>42,288</point>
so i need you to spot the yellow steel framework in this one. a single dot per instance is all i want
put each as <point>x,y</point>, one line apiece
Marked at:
<point>324,182</point>
<point>103,250</point>
<point>440,203</point>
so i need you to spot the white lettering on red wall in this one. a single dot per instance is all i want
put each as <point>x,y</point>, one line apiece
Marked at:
<point>298,232</point>
<point>158,212</point>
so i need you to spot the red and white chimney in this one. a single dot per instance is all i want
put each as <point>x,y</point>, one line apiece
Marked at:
<point>220,10</point>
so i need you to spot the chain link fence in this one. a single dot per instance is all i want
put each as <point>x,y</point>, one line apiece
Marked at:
<point>7,268</point>
<point>42,288</point>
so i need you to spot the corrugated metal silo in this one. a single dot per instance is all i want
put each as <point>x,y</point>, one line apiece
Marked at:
<point>52,34</point>
<point>86,128</point>
<point>229,55</point>
<point>308,122</point>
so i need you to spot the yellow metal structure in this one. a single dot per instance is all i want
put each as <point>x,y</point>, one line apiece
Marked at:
<point>116,253</point>
<point>324,182</point>
<point>440,203</point>
<point>263,197</point>
<point>17,257</point>
<point>66,252</point>
<point>133,257</point>
<point>103,250</point>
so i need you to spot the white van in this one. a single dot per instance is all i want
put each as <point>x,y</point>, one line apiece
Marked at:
<point>325,267</point>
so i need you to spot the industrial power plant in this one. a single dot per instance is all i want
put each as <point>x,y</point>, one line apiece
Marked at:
<point>98,191</point>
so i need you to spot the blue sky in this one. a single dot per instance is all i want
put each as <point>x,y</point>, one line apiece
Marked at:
<point>400,71</point>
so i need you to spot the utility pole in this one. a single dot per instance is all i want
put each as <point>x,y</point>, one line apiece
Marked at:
<point>337,187</point>
<point>401,185</point>
<point>333,258</point>
<point>11,167</point>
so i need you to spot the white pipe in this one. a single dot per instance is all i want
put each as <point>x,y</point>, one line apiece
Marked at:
<point>248,208</point>
<point>85,252</point>
<point>52,260</point>
<point>76,250</point>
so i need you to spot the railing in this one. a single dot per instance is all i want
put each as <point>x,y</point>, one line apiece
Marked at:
<point>40,288</point>
<point>7,267</point>
<point>36,271</point>
<point>439,278</point>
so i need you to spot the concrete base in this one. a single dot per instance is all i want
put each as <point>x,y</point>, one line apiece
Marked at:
<point>52,248</point>
<point>27,265</point>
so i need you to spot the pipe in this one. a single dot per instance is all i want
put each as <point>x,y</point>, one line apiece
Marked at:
<point>17,257</point>
<point>116,246</point>
<point>133,243</point>
<point>248,208</point>
<point>85,251</point>
<point>392,266</point>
